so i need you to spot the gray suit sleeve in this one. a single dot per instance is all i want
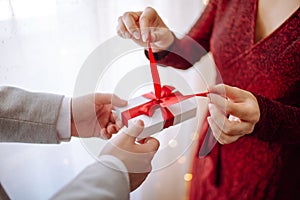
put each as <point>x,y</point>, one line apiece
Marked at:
<point>106,180</point>
<point>28,117</point>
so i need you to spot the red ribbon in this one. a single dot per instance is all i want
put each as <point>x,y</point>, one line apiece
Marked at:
<point>154,72</point>
<point>162,98</point>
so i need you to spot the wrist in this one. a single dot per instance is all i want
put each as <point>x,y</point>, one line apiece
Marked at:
<point>161,53</point>
<point>166,44</point>
<point>74,132</point>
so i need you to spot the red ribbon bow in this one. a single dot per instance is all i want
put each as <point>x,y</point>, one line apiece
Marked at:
<point>162,98</point>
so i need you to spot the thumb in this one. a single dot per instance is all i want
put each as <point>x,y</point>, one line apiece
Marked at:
<point>134,131</point>
<point>117,101</point>
<point>148,15</point>
<point>230,92</point>
<point>109,99</point>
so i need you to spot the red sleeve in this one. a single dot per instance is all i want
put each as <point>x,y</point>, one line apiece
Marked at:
<point>188,50</point>
<point>278,122</point>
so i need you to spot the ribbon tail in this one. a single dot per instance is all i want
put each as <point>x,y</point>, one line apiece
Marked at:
<point>154,72</point>
<point>202,94</point>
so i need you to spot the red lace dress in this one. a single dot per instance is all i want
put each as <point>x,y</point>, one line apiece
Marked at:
<point>266,163</point>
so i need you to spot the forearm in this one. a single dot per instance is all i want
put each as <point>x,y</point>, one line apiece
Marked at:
<point>278,122</point>
<point>28,117</point>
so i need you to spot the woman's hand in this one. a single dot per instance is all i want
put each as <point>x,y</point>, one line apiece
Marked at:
<point>142,26</point>
<point>234,113</point>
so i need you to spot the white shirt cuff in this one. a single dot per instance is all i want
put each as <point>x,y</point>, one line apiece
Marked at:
<point>63,125</point>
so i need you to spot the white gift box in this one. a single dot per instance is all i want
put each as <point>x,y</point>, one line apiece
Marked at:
<point>181,111</point>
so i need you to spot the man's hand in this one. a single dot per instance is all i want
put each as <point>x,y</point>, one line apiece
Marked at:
<point>136,156</point>
<point>91,115</point>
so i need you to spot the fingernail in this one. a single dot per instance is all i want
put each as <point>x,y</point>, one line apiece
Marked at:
<point>136,35</point>
<point>144,37</point>
<point>139,122</point>
<point>209,119</point>
<point>124,102</point>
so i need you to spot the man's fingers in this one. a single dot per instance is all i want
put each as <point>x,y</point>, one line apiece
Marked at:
<point>112,128</point>
<point>115,119</point>
<point>151,144</point>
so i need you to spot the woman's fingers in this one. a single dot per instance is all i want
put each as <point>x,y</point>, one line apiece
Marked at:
<point>236,102</point>
<point>232,93</point>
<point>229,127</point>
<point>229,107</point>
<point>128,26</point>
<point>147,21</point>
<point>221,137</point>
<point>131,23</point>
<point>121,29</point>
<point>137,24</point>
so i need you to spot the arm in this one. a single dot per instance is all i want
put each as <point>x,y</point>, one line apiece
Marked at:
<point>28,117</point>
<point>103,180</point>
<point>278,122</point>
<point>123,166</point>
<point>47,118</point>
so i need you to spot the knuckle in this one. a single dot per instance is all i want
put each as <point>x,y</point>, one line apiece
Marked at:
<point>223,140</point>
<point>250,129</point>
<point>254,114</point>
<point>126,15</point>
<point>143,18</point>
<point>219,140</point>
<point>228,107</point>
<point>227,127</point>
<point>226,142</point>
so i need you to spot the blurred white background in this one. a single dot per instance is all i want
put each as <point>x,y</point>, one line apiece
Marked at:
<point>43,44</point>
